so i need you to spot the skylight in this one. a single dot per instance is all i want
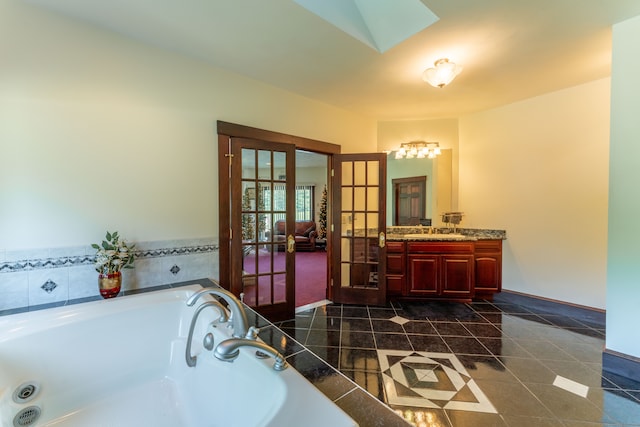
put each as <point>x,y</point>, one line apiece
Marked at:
<point>380,24</point>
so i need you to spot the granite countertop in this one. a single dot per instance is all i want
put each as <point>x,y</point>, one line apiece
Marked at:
<point>419,234</point>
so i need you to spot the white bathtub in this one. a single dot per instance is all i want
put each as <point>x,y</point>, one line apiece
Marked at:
<point>121,363</point>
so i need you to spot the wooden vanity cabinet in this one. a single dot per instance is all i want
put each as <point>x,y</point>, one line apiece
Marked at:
<point>396,265</point>
<point>444,270</point>
<point>440,269</point>
<point>488,267</point>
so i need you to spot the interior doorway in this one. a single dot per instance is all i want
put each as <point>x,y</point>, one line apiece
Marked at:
<point>258,249</point>
<point>409,200</point>
<point>312,263</point>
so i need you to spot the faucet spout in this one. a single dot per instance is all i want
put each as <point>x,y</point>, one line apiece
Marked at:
<point>229,349</point>
<point>238,319</point>
<point>191,360</point>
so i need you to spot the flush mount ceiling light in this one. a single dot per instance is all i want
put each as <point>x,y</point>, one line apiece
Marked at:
<point>443,73</point>
<point>418,150</point>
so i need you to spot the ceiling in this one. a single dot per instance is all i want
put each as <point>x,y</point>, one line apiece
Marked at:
<point>510,49</point>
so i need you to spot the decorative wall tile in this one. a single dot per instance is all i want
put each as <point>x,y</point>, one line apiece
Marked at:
<point>14,290</point>
<point>49,286</point>
<point>83,282</point>
<point>37,278</point>
<point>26,254</point>
<point>146,273</point>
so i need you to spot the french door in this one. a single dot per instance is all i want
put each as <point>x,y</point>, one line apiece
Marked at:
<point>262,245</point>
<point>359,238</point>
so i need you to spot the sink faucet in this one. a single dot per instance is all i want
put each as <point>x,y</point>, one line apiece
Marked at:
<point>191,360</point>
<point>238,318</point>
<point>229,349</point>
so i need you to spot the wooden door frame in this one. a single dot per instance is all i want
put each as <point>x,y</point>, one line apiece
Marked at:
<point>226,131</point>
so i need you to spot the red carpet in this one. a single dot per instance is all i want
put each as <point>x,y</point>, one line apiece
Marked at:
<point>311,277</point>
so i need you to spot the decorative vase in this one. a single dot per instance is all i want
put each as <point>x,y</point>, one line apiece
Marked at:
<point>110,284</point>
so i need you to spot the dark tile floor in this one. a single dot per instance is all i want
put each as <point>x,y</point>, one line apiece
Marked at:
<point>501,363</point>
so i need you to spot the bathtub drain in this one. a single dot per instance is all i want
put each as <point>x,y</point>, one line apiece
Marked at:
<point>25,392</point>
<point>26,417</point>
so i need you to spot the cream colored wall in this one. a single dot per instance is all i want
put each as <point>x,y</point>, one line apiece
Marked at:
<point>623,273</point>
<point>539,169</point>
<point>98,132</point>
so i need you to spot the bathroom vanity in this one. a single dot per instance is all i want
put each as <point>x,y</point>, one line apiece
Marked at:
<point>445,266</point>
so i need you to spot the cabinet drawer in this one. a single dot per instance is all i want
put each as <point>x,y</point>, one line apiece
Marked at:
<point>395,263</point>
<point>395,284</point>
<point>440,247</point>
<point>483,246</point>
<point>395,247</point>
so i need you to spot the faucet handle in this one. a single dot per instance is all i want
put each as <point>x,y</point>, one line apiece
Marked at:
<point>252,333</point>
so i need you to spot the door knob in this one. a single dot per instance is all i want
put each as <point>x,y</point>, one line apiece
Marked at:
<point>291,243</point>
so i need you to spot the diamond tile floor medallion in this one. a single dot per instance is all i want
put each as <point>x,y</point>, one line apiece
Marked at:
<point>430,380</point>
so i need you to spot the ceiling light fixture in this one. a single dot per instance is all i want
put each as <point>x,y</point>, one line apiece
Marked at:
<point>418,149</point>
<point>443,73</point>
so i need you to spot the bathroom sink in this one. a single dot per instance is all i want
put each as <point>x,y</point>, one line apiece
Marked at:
<point>437,236</point>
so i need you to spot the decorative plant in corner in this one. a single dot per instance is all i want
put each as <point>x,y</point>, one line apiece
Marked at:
<point>111,257</point>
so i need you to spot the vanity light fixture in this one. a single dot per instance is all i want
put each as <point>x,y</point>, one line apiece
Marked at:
<point>443,73</point>
<point>418,150</point>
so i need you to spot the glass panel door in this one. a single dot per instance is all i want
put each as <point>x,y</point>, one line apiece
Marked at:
<point>263,174</point>
<point>360,234</point>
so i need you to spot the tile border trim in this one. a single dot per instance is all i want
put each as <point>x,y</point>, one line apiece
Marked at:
<point>76,260</point>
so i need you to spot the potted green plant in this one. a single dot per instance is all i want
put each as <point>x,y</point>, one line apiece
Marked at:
<point>112,256</point>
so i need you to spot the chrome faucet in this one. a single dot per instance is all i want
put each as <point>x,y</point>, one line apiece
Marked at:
<point>238,318</point>
<point>229,349</point>
<point>191,360</point>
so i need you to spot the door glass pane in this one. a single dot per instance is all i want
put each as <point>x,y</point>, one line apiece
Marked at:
<point>264,164</point>
<point>249,227</point>
<point>346,249</point>
<point>359,224</point>
<point>264,260</point>
<point>372,198</point>
<point>248,163</point>
<point>373,172</point>
<point>265,295</point>
<point>279,166</point>
<point>347,198</point>
<point>359,173</point>
<point>359,199</point>
<point>372,250</point>
<point>359,246</point>
<point>372,225</point>
<point>346,275</point>
<point>279,288</point>
<point>346,224</point>
<point>347,173</point>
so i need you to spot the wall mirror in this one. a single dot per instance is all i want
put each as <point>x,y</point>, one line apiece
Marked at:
<point>438,189</point>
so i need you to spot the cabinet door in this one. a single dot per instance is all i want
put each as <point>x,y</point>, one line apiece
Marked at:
<point>488,272</point>
<point>457,278</point>
<point>488,267</point>
<point>423,274</point>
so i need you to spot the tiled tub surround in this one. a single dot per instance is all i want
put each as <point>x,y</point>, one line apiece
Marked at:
<point>30,278</point>
<point>364,408</point>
